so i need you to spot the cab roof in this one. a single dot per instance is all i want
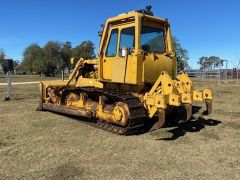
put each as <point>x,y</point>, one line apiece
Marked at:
<point>135,14</point>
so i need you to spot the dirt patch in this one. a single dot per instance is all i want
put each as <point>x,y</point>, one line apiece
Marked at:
<point>43,124</point>
<point>233,125</point>
<point>2,143</point>
<point>65,172</point>
<point>209,135</point>
<point>161,134</point>
<point>224,92</point>
<point>227,113</point>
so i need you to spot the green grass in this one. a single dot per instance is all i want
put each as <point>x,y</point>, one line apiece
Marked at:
<point>43,145</point>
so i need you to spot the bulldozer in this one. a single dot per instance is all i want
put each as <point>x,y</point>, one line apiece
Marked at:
<point>132,84</point>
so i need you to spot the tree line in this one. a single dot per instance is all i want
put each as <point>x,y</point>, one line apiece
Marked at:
<point>182,55</point>
<point>54,56</point>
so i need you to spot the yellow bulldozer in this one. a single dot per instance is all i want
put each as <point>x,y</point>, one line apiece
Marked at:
<point>132,83</point>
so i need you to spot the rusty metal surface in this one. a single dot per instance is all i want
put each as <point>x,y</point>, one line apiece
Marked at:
<point>161,120</point>
<point>188,113</point>
<point>208,107</point>
<point>66,110</point>
<point>136,109</point>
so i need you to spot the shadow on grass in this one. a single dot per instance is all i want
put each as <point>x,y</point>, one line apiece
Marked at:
<point>191,126</point>
<point>179,128</point>
<point>194,125</point>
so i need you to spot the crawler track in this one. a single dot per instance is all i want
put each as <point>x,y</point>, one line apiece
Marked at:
<point>136,109</point>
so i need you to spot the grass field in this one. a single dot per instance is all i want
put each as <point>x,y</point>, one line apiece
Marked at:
<point>26,78</point>
<point>43,145</point>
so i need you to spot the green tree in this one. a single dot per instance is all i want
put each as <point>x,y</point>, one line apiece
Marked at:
<point>181,54</point>
<point>210,62</point>
<point>53,57</point>
<point>39,63</point>
<point>29,57</point>
<point>66,53</point>
<point>85,50</point>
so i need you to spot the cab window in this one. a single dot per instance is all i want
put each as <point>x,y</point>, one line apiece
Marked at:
<point>127,38</point>
<point>152,39</point>
<point>112,45</point>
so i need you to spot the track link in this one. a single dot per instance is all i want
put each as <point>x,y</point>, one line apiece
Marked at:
<point>136,109</point>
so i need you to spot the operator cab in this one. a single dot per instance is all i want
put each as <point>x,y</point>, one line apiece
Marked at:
<point>135,48</point>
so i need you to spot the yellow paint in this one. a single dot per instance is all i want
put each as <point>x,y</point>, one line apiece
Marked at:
<point>84,82</point>
<point>150,76</point>
<point>167,92</point>
<point>137,64</point>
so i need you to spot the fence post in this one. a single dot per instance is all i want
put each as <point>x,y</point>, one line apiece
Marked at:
<point>9,87</point>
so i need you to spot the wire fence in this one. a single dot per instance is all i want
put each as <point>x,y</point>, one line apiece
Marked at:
<point>215,74</point>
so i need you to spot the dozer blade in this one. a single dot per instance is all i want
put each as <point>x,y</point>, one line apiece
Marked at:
<point>188,114</point>
<point>161,120</point>
<point>208,107</point>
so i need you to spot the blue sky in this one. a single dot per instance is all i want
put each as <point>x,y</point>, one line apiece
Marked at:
<point>204,27</point>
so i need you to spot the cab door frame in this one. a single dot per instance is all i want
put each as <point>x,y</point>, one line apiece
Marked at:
<point>119,64</point>
<point>114,68</point>
<point>107,60</point>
